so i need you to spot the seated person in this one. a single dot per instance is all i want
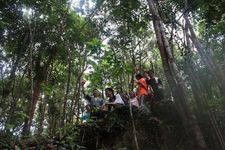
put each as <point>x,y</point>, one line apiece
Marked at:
<point>122,94</point>
<point>87,114</point>
<point>113,101</point>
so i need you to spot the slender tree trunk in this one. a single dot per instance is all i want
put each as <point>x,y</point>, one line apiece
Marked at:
<point>40,78</point>
<point>67,87</point>
<point>74,101</point>
<point>76,93</point>
<point>208,59</point>
<point>13,105</point>
<point>26,126</point>
<point>175,80</point>
<point>133,65</point>
<point>202,111</point>
<point>201,100</point>
<point>78,104</point>
<point>52,112</point>
<point>31,108</point>
<point>18,55</point>
<point>42,114</point>
<point>134,128</point>
<point>44,106</point>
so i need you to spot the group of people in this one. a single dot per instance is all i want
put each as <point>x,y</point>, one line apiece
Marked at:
<point>149,87</point>
<point>149,90</point>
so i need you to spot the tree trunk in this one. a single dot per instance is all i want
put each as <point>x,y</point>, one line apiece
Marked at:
<point>73,103</point>
<point>26,126</point>
<point>214,68</point>
<point>77,106</point>
<point>13,104</point>
<point>175,80</point>
<point>42,114</point>
<point>133,65</point>
<point>41,75</point>
<point>18,55</point>
<point>76,93</point>
<point>199,93</point>
<point>67,87</point>
<point>31,108</point>
<point>204,114</point>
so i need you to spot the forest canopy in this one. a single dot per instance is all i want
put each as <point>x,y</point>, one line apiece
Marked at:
<point>48,48</point>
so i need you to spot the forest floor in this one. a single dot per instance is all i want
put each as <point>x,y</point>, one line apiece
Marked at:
<point>155,130</point>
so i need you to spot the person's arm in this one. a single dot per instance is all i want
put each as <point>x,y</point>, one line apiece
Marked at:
<point>147,76</point>
<point>135,80</point>
<point>135,73</point>
<point>87,97</point>
<point>82,87</point>
<point>110,103</point>
<point>141,83</point>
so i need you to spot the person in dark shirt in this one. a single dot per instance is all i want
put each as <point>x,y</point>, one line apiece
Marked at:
<point>94,101</point>
<point>156,85</point>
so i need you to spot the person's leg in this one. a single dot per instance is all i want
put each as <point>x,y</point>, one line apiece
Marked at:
<point>139,100</point>
<point>142,99</point>
<point>153,101</point>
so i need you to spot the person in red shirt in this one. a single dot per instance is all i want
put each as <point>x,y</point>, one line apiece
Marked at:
<point>142,88</point>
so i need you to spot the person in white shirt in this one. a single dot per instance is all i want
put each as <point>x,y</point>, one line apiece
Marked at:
<point>133,99</point>
<point>118,99</point>
<point>113,101</point>
<point>122,94</point>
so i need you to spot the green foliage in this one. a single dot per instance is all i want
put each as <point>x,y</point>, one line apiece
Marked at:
<point>94,46</point>
<point>47,43</point>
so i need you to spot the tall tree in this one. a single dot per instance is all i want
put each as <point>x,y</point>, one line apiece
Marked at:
<point>175,80</point>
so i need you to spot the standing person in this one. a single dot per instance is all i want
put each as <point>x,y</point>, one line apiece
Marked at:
<point>156,85</point>
<point>142,88</point>
<point>94,101</point>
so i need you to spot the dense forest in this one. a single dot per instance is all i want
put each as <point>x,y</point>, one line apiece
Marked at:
<point>49,47</point>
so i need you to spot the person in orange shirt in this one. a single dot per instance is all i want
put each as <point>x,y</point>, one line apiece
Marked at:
<point>142,88</point>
